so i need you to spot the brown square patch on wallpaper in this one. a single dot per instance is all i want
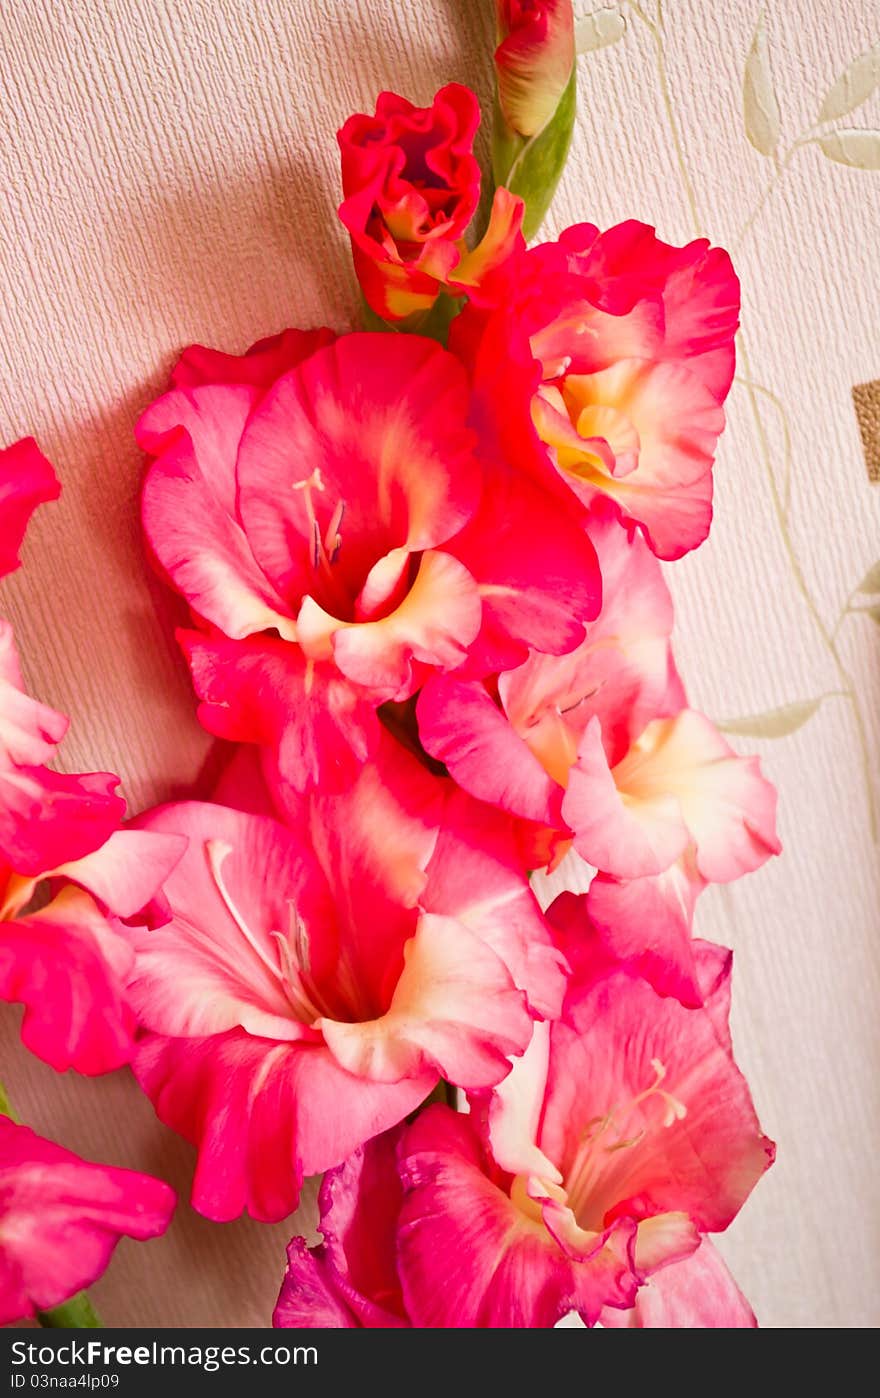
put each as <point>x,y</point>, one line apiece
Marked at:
<point>866,397</point>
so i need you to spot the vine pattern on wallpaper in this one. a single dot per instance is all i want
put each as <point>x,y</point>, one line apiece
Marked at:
<point>842,144</point>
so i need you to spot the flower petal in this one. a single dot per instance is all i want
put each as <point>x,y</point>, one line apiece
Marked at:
<point>68,967</point>
<point>696,1294</point>
<point>27,480</point>
<point>61,1217</point>
<point>263,1115</point>
<point>455,1010</point>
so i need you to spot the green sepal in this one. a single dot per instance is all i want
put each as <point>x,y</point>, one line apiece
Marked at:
<point>533,168</point>
<point>76,1314</point>
<point>433,323</point>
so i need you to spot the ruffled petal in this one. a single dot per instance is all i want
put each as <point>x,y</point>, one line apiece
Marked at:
<point>61,1217</point>
<point>68,967</point>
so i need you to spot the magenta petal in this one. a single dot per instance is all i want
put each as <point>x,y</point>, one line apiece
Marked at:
<point>68,967</point>
<point>461,726</point>
<point>263,1115</point>
<point>350,1279</point>
<point>259,366</point>
<point>537,572</point>
<point>61,1217</point>
<point>319,727</point>
<point>26,481</point>
<point>48,818</point>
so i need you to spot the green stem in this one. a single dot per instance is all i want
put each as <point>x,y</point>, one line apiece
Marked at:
<point>78,1313</point>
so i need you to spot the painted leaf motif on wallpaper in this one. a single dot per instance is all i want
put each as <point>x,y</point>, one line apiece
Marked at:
<point>854,86</point>
<point>760,107</point>
<point>775,723</point>
<point>598,30</point>
<point>870,583</point>
<point>859,149</point>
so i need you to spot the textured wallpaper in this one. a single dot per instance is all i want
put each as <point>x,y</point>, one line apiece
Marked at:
<point>168,174</point>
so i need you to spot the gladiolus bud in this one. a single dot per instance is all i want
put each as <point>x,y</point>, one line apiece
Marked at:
<point>535,73</point>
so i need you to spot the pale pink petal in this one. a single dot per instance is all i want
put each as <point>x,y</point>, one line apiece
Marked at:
<point>455,1010</point>
<point>128,870</point>
<point>729,808</point>
<point>249,909</point>
<point>696,1294</point>
<point>434,624</point>
<point>514,1110</point>
<point>29,731</point>
<point>645,1090</point>
<point>61,1217</point>
<point>668,489</point>
<point>625,836</point>
<point>189,513</point>
<point>647,924</point>
<point>68,967</point>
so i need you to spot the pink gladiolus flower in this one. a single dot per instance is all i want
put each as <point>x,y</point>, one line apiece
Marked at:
<point>622,1137</point>
<point>61,1217</point>
<point>598,748</point>
<point>313,983</point>
<point>607,362</point>
<point>533,61</point>
<point>412,184</point>
<point>341,510</point>
<point>350,1281</point>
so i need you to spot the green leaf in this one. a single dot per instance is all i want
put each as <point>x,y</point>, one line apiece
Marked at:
<point>760,108</point>
<point>76,1314</point>
<point>775,723</point>
<point>870,583</point>
<point>598,30</point>
<point>858,149</point>
<point>854,86</point>
<point>532,169</point>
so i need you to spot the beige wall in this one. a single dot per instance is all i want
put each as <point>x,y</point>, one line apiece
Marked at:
<point>168,174</point>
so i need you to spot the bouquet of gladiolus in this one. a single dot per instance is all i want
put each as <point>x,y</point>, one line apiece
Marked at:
<point>423,563</point>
